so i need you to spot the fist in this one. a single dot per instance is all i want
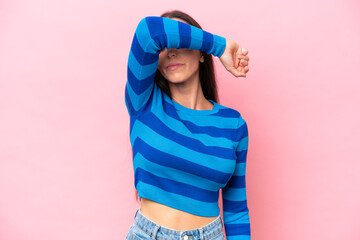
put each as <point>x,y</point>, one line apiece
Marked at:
<point>235,59</point>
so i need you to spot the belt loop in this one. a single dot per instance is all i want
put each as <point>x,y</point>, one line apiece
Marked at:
<point>182,235</point>
<point>222,224</point>
<point>154,232</point>
<point>137,210</point>
<point>201,234</point>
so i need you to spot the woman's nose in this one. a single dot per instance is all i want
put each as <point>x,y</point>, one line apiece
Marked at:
<point>171,52</point>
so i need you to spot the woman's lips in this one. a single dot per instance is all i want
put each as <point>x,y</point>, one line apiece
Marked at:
<point>174,67</point>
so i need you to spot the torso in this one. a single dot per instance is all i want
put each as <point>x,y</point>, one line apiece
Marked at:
<point>172,218</point>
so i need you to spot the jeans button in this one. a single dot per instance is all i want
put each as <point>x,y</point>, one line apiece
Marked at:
<point>186,237</point>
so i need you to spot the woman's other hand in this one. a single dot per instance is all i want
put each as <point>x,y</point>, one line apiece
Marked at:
<point>235,59</point>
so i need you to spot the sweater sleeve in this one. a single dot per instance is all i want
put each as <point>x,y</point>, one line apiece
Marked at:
<point>235,209</point>
<point>151,36</point>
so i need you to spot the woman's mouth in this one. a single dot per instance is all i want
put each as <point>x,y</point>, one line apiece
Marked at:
<point>174,67</point>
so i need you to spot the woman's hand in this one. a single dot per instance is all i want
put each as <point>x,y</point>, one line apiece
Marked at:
<point>234,59</point>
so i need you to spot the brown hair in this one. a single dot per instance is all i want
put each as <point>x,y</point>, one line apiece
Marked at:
<point>206,69</point>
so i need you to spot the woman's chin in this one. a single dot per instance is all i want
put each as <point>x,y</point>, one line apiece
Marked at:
<point>176,81</point>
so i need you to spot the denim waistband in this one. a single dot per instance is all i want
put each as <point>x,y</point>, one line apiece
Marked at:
<point>155,230</point>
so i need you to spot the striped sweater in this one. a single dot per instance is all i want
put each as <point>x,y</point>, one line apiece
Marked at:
<point>182,157</point>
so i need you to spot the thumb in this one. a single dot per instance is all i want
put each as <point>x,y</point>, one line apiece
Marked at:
<point>234,71</point>
<point>237,72</point>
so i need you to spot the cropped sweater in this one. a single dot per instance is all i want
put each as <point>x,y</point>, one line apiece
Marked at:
<point>182,157</point>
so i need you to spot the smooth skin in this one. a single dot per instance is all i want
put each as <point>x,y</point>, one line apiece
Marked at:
<point>185,87</point>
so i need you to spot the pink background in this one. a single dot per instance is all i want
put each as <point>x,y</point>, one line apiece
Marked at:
<point>65,154</point>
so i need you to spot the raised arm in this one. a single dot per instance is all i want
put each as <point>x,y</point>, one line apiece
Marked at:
<point>151,36</point>
<point>235,209</point>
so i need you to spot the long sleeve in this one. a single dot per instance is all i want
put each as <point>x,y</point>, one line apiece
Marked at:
<point>235,209</point>
<point>151,36</point>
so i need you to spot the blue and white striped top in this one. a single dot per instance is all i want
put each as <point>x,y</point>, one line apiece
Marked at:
<point>183,156</point>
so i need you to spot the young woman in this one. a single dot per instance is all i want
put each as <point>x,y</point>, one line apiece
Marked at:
<point>186,146</point>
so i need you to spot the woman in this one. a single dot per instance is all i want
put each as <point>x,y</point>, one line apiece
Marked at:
<point>186,146</point>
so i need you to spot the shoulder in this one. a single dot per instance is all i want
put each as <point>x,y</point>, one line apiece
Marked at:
<point>229,112</point>
<point>238,123</point>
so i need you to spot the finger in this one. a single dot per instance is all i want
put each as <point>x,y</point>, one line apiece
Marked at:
<point>235,72</point>
<point>246,58</point>
<point>246,69</point>
<point>239,52</point>
<point>244,51</point>
<point>237,62</point>
<point>240,72</point>
<point>243,62</point>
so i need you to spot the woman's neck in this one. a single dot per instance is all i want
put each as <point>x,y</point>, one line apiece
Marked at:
<point>190,95</point>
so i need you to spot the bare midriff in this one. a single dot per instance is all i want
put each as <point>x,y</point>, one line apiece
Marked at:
<point>170,217</point>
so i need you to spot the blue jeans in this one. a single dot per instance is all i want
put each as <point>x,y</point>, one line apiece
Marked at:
<point>144,228</point>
